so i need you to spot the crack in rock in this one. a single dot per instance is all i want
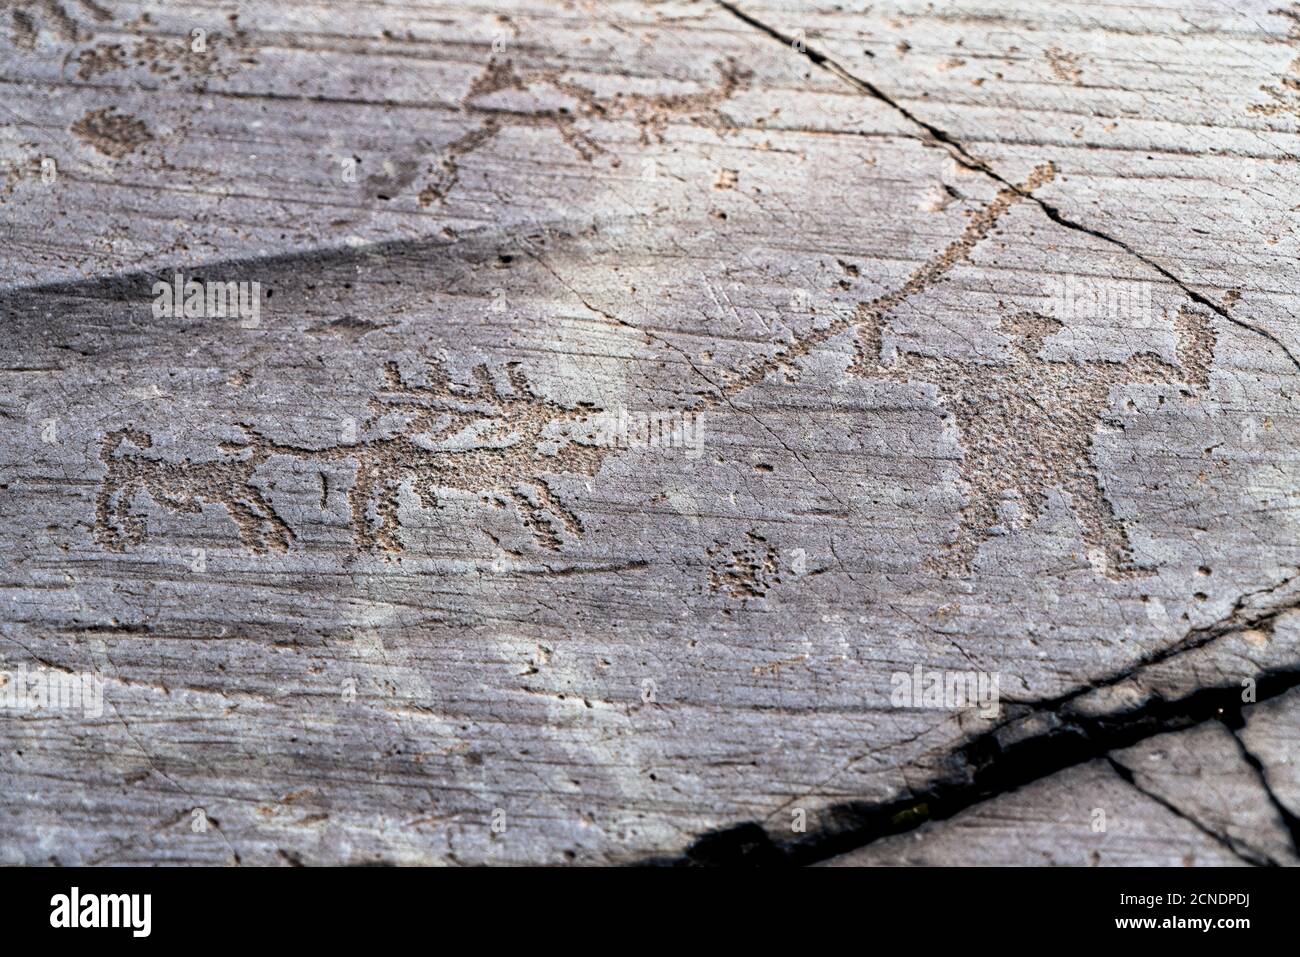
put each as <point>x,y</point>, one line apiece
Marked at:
<point>1036,742</point>
<point>937,136</point>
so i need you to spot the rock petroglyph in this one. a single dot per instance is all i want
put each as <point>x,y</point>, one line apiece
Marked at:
<point>651,113</point>
<point>482,438</point>
<point>1025,425</point>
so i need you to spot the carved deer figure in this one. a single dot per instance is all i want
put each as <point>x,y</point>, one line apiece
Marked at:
<point>431,436</point>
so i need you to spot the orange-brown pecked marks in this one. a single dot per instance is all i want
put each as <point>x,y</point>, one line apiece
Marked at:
<point>866,318</point>
<point>655,111</point>
<point>651,112</point>
<point>97,60</point>
<point>111,133</point>
<point>30,18</point>
<point>1026,425</point>
<point>131,469</point>
<point>1196,341</point>
<point>170,58</point>
<point>37,15</point>
<point>495,438</point>
<point>1065,65</point>
<point>747,571</point>
<point>479,438</point>
<point>446,173</point>
<point>499,74</point>
<point>1284,97</point>
<point>22,31</point>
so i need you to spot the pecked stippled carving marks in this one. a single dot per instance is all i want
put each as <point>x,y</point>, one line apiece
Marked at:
<point>650,112</point>
<point>1026,426</point>
<point>495,436</point>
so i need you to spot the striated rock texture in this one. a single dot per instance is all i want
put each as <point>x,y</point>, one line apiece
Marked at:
<point>683,432</point>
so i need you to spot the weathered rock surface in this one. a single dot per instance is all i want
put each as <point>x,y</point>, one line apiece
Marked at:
<point>971,334</point>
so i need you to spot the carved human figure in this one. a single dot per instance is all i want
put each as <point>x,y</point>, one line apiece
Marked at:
<point>1026,424</point>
